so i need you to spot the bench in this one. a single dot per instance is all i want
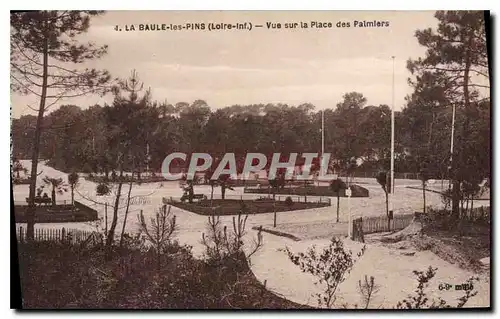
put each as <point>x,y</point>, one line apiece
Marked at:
<point>40,200</point>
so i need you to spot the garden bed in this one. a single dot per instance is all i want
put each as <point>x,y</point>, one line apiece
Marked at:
<point>57,214</point>
<point>126,179</point>
<point>234,206</point>
<point>357,191</point>
<point>21,181</point>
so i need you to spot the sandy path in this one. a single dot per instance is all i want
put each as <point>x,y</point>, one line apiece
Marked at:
<point>391,270</point>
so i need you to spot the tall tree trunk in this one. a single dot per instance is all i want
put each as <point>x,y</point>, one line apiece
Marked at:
<point>431,126</point>
<point>472,206</point>
<point>223,191</point>
<point>338,205</point>
<point>467,205</point>
<point>111,232</point>
<point>30,212</point>
<point>72,195</point>
<point>456,184</point>
<point>461,208</point>
<point>126,212</point>
<point>305,190</point>
<point>423,194</point>
<point>455,198</point>
<point>53,196</point>
<point>387,210</point>
<point>212,196</point>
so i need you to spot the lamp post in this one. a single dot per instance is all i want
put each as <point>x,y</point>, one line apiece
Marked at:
<point>451,146</point>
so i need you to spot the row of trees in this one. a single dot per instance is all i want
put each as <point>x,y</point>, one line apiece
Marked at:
<point>75,136</point>
<point>76,139</point>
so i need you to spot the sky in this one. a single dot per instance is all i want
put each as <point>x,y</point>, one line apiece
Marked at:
<point>223,68</point>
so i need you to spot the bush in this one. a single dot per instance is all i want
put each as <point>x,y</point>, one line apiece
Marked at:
<point>338,186</point>
<point>102,189</point>
<point>289,201</point>
<point>64,275</point>
<point>419,299</point>
<point>330,266</point>
<point>358,191</point>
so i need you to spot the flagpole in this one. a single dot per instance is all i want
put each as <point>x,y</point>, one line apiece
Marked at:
<point>392,140</point>
<point>322,132</point>
<point>322,164</point>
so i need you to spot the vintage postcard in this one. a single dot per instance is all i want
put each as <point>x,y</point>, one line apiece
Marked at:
<point>251,159</point>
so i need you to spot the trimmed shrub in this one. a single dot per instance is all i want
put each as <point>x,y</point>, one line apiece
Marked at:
<point>358,191</point>
<point>102,189</point>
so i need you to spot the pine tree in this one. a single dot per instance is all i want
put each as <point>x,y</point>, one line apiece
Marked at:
<point>43,49</point>
<point>457,59</point>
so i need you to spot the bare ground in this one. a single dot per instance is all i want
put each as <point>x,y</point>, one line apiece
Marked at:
<point>463,250</point>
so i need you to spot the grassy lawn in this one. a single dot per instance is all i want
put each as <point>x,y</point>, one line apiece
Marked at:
<point>234,206</point>
<point>57,214</point>
<point>311,190</point>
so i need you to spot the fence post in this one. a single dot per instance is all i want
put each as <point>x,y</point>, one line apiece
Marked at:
<point>63,234</point>
<point>21,234</point>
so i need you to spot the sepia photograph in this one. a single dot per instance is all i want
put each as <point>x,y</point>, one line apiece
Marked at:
<point>291,160</point>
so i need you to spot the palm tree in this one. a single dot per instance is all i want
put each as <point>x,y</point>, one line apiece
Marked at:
<point>384,181</point>
<point>73,183</point>
<point>336,186</point>
<point>213,183</point>
<point>188,186</point>
<point>18,167</point>
<point>223,182</point>
<point>57,185</point>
